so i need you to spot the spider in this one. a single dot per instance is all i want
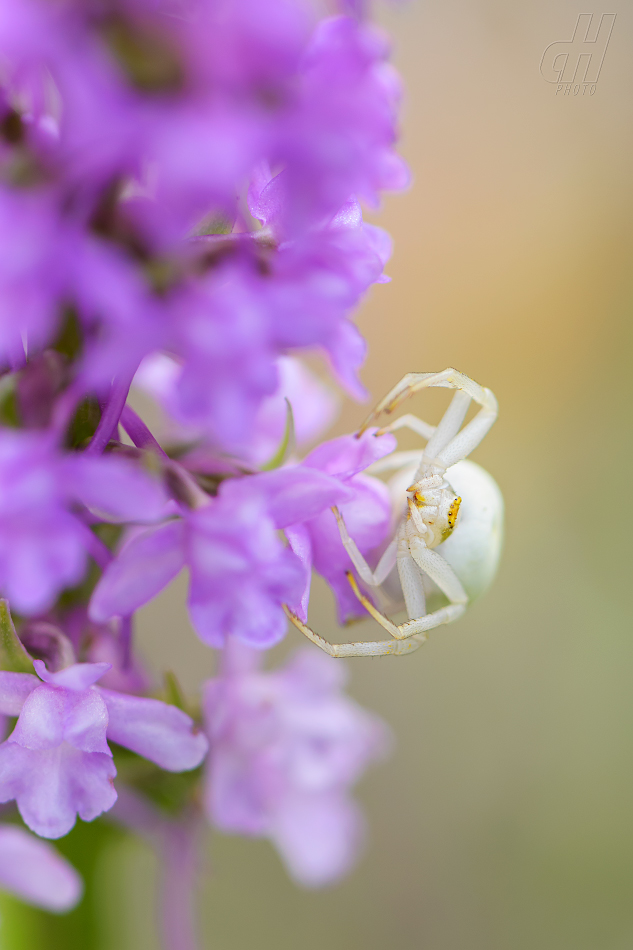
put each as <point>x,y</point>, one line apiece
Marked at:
<point>446,545</point>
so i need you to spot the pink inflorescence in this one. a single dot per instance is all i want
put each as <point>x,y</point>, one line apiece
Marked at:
<point>180,211</point>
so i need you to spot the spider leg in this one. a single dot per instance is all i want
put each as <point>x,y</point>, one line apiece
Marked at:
<point>439,571</point>
<point>409,421</point>
<point>373,648</point>
<point>393,461</point>
<point>408,636</point>
<point>412,587</point>
<point>419,625</point>
<point>468,438</point>
<point>422,625</point>
<point>421,559</point>
<point>395,396</point>
<point>447,445</point>
<point>450,423</point>
<point>385,564</point>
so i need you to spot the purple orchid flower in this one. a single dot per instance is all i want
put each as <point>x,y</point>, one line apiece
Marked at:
<point>184,182</point>
<point>285,749</point>
<point>241,573</point>
<point>34,871</point>
<point>334,146</point>
<point>314,405</point>
<point>44,544</point>
<point>230,326</point>
<point>57,763</point>
<point>324,273</point>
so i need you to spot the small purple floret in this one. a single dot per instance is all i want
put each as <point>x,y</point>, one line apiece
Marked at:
<point>57,763</point>
<point>286,747</point>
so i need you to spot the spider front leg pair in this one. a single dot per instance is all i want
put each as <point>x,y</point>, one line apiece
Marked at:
<point>432,515</point>
<point>448,442</point>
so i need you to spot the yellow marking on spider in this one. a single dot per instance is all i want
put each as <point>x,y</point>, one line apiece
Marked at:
<point>453,512</point>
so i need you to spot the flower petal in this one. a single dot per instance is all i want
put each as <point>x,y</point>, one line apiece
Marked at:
<point>14,689</point>
<point>298,538</point>
<point>250,614</point>
<point>86,722</point>
<point>297,493</point>
<point>35,872</point>
<point>235,800</point>
<point>142,568</point>
<point>39,555</point>
<point>318,836</point>
<point>367,518</point>
<point>314,408</point>
<point>78,677</point>
<point>41,722</point>
<point>53,785</point>
<point>349,454</point>
<point>241,573</point>
<point>159,732</point>
<point>116,487</point>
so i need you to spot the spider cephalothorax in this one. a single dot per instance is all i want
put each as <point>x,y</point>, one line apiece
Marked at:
<point>433,511</point>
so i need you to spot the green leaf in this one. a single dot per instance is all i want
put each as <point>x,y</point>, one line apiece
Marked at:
<point>287,445</point>
<point>84,423</point>
<point>13,656</point>
<point>171,791</point>
<point>214,223</point>
<point>9,415</point>
<point>147,56</point>
<point>70,341</point>
<point>173,691</point>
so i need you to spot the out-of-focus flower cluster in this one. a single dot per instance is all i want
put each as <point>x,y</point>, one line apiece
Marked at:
<point>185,176</point>
<point>180,188</point>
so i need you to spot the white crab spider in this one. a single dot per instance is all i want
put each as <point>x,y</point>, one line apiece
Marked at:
<point>445,543</point>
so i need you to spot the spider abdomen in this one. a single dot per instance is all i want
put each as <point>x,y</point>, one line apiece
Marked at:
<point>474,547</point>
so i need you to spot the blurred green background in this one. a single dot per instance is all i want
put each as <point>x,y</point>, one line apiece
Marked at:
<point>504,818</point>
